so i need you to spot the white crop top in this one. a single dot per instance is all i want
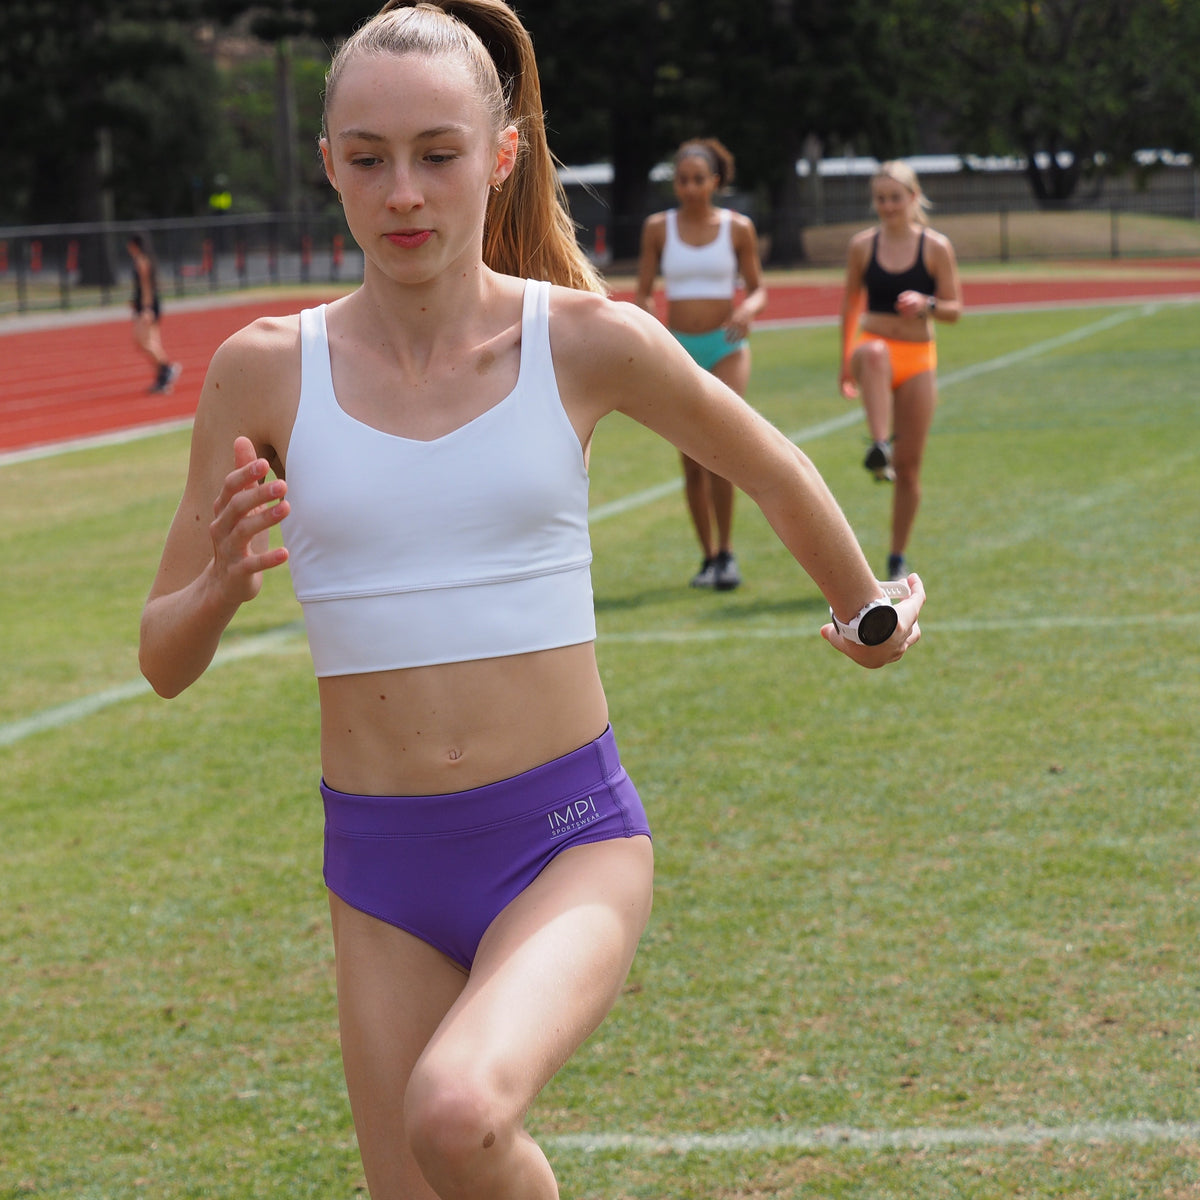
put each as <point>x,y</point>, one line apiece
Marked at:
<point>708,272</point>
<point>474,545</point>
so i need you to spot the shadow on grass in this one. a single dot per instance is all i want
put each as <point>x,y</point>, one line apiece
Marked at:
<point>709,605</point>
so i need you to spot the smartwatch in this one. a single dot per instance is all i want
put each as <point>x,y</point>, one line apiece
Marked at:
<point>875,623</point>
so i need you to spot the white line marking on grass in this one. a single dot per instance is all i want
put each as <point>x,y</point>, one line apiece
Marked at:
<point>810,433</point>
<point>290,637</point>
<point>76,710</point>
<point>841,1138</point>
<point>932,628</point>
<point>1036,349</point>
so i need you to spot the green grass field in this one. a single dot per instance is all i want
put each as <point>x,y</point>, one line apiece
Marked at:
<point>927,932</point>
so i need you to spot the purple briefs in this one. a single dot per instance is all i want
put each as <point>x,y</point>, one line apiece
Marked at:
<point>443,867</point>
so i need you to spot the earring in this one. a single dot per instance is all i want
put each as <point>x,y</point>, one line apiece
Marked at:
<point>497,187</point>
<point>339,196</point>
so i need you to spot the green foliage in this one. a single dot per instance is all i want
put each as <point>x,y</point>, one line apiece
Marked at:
<point>1076,88</point>
<point>123,66</point>
<point>759,76</point>
<point>954,897</point>
<point>245,155</point>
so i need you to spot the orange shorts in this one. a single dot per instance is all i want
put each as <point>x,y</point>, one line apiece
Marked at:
<point>908,358</point>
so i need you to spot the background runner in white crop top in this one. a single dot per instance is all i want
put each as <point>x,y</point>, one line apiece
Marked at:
<point>700,250</point>
<point>474,545</point>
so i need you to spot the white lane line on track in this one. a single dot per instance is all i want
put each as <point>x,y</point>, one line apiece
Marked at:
<point>120,437</point>
<point>842,1138</point>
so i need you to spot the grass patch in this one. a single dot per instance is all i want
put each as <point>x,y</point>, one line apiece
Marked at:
<point>956,895</point>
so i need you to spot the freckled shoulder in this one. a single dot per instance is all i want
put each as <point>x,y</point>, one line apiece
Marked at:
<point>259,346</point>
<point>253,382</point>
<point>604,347</point>
<point>595,333</point>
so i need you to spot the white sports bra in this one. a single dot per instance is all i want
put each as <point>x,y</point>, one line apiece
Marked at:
<point>474,545</point>
<point>708,272</point>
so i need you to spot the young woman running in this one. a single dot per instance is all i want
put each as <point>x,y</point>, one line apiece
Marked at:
<point>904,275</point>
<point>701,250</point>
<point>147,314</point>
<point>423,444</point>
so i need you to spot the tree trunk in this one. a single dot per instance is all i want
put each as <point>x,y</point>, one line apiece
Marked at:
<point>98,255</point>
<point>787,216</point>
<point>285,129</point>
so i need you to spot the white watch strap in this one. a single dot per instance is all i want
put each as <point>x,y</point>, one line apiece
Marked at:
<point>849,630</point>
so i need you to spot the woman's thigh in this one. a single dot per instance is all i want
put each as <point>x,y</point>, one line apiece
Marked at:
<point>548,970</point>
<point>393,991</point>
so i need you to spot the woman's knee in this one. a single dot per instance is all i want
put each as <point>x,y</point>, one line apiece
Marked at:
<point>906,462</point>
<point>453,1118</point>
<point>872,360</point>
<point>908,481</point>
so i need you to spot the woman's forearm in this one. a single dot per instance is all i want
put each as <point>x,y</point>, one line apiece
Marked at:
<point>180,633</point>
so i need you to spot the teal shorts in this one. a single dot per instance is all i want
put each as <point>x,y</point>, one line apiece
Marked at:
<point>707,349</point>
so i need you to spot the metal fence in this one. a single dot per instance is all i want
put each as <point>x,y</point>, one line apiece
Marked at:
<point>1155,215</point>
<point>73,266</point>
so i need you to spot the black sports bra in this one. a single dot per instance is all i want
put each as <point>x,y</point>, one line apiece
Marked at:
<point>883,287</point>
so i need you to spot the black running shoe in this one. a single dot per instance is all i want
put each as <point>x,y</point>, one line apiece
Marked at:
<point>706,577</point>
<point>727,575</point>
<point>879,462</point>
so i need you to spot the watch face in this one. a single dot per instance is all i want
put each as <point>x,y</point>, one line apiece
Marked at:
<point>877,625</point>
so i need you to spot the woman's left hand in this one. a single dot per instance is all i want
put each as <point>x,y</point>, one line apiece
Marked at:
<point>908,632</point>
<point>737,327</point>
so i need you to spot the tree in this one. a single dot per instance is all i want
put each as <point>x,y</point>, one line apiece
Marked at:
<point>112,93</point>
<point>632,78</point>
<point>246,154</point>
<point>106,115</point>
<point>610,87</point>
<point>771,77</point>
<point>1073,86</point>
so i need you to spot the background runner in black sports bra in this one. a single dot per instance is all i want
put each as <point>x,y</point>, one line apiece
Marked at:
<point>147,309</point>
<point>901,276</point>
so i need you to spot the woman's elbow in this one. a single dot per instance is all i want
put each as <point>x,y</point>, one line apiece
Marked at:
<point>156,666</point>
<point>158,678</point>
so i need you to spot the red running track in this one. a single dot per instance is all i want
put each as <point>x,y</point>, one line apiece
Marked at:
<point>81,379</point>
<point>84,377</point>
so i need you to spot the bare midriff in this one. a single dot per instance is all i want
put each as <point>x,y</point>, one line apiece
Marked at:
<point>698,316</point>
<point>896,327</point>
<point>447,728</point>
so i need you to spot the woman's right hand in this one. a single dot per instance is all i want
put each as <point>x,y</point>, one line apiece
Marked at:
<point>243,515</point>
<point>847,384</point>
